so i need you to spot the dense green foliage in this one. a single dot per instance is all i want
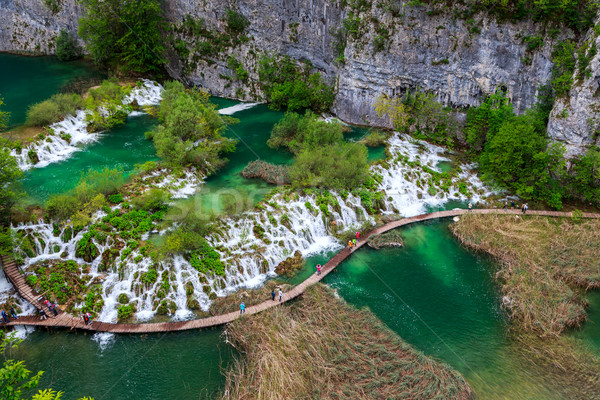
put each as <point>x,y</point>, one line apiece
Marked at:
<point>104,105</point>
<point>9,177</point>
<point>191,130</point>
<point>67,48</point>
<point>125,33</point>
<point>323,159</point>
<point>88,196</point>
<point>515,153</point>
<point>298,133</point>
<point>563,58</point>
<point>338,166</point>
<point>294,87</point>
<point>54,109</point>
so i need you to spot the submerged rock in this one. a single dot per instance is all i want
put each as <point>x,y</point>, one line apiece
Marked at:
<point>290,265</point>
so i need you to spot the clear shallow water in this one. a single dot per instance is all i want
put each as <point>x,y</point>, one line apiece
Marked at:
<point>442,299</point>
<point>122,147</point>
<point>28,80</point>
<point>185,365</point>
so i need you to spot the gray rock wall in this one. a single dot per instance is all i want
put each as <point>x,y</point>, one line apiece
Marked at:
<point>28,25</point>
<point>575,120</point>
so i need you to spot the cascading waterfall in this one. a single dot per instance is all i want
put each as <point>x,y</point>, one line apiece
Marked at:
<point>252,244</point>
<point>238,107</point>
<point>69,135</point>
<point>406,186</point>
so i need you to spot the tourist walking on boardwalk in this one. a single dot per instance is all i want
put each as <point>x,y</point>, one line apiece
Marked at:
<point>357,236</point>
<point>524,208</point>
<point>350,244</point>
<point>512,205</point>
<point>353,242</point>
<point>273,294</point>
<point>280,294</point>
<point>470,206</point>
<point>506,205</point>
<point>5,317</point>
<point>318,269</point>
<point>242,308</point>
<point>86,319</point>
<point>54,309</point>
<point>42,314</point>
<point>13,313</point>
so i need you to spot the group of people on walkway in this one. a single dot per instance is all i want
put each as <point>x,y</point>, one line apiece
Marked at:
<point>352,243</point>
<point>513,205</point>
<point>273,295</point>
<point>13,315</point>
<point>51,308</point>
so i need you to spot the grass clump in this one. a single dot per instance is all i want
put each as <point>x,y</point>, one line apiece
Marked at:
<point>270,173</point>
<point>320,347</point>
<point>54,109</point>
<point>545,266</point>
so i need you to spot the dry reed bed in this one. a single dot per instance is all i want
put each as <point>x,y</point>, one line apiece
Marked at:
<point>546,265</point>
<point>320,347</point>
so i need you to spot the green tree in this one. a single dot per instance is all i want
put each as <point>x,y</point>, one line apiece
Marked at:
<point>394,109</point>
<point>126,33</point>
<point>338,166</point>
<point>191,130</point>
<point>9,177</point>
<point>486,120</point>
<point>308,132</point>
<point>67,48</point>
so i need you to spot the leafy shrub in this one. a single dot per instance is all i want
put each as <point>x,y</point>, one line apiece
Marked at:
<point>115,198</point>
<point>104,105</point>
<point>125,311</point>
<point>153,200</point>
<point>563,58</point>
<point>191,130</point>
<point>236,22</point>
<point>338,166</point>
<point>54,109</point>
<point>67,48</point>
<point>287,85</point>
<point>298,133</point>
<point>130,34</point>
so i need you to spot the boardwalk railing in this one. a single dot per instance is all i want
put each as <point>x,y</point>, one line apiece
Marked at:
<point>66,320</point>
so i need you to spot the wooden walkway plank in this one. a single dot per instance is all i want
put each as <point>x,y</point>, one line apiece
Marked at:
<point>66,320</point>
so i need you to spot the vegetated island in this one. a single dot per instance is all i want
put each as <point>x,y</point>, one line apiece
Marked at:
<point>546,265</point>
<point>321,347</point>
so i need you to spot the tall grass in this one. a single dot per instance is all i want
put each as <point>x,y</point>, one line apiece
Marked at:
<point>322,348</point>
<point>546,265</point>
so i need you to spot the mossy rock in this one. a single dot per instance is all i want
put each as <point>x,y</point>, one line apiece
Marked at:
<point>123,298</point>
<point>291,265</point>
<point>192,304</point>
<point>189,289</point>
<point>163,308</point>
<point>87,250</point>
<point>67,234</point>
<point>56,248</point>
<point>126,311</point>
<point>206,289</point>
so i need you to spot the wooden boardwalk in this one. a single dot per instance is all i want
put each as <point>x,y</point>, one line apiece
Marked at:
<point>65,320</point>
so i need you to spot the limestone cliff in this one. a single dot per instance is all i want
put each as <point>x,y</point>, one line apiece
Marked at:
<point>390,48</point>
<point>575,119</point>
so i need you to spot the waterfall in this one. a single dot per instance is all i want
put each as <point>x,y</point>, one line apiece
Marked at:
<point>238,107</point>
<point>69,135</point>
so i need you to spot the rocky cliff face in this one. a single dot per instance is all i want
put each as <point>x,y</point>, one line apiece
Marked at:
<point>388,50</point>
<point>29,26</point>
<point>575,120</point>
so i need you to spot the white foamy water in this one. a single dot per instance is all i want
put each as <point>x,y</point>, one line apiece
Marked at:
<point>407,187</point>
<point>7,292</point>
<point>70,134</point>
<point>238,107</point>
